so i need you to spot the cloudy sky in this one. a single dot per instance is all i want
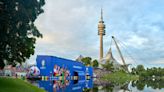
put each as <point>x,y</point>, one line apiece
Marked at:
<point>69,29</point>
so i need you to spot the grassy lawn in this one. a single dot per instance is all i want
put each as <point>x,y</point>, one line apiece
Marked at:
<point>17,85</point>
<point>119,77</point>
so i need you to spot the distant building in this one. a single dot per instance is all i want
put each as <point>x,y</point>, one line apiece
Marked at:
<point>109,57</point>
<point>80,58</point>
<point>9,70</point>
<point>18,71</point>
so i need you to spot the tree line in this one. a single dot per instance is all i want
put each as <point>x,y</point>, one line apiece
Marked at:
<point>139,70</point>
<point>108,65</point>
<point>87,61</point>
<point>155,72</point>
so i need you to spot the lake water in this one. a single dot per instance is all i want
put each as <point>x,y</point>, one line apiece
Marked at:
<point>90,86</point>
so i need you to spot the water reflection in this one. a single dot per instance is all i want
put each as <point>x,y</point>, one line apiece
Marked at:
<point>65,86</point>
<point>115,88</point>
<point>133,86</point>
<point>88,86</point>
<point>152,83</point>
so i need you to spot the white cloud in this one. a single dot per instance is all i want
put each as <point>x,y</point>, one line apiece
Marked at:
<point>136,41</point>
<point>70,27</point>
<point>159,61</point>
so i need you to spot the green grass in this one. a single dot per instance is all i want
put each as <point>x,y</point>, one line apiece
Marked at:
<point>17,85</point>
<point>119,77</point>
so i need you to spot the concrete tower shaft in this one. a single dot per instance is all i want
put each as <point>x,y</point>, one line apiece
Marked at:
<point>101,33</point>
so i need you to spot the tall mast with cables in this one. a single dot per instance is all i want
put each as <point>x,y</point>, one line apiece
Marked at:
<point>122,58</point>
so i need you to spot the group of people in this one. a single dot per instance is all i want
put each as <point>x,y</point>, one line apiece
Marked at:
<point>61,72</point>
<point>58,84</point>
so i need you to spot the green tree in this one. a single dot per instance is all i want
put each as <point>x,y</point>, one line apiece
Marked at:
<point>140,69</point>
<point>108,66</point>
<point>95,63</point>
<point>133,71</point>
<point>17,30</point>
<point>140,85</point>
<point>87,61</point>
<point>2,65</point>
<point>95,89</point>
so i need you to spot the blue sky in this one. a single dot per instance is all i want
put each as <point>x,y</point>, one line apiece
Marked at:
<point>69,29</point>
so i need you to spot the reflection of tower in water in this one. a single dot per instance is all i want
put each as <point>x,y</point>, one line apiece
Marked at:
<point>101,33</point>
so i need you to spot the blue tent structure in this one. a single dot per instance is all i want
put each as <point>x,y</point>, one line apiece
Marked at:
<point>46,65</point>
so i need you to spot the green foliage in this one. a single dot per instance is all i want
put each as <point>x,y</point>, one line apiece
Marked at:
<point>155,84</point>
<point>119,77</point>
<point>2,65</point>
<point>108,66</point>
<point>17,30</point>
<point>95,63</point>
<point>157,72</point>
<point>149,72</point>
<point>140,68</point>
<point>87,61</point>
<point>95,89</point>
<point>107,88</point>
<point>133,71</point>
<point>17,85</point>
<point>140,85</point>
<point>86,90</point>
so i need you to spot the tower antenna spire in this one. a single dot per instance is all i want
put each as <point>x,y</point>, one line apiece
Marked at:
<point>101,14</point>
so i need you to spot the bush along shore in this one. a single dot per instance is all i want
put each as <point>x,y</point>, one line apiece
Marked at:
<point>119,77</point>
<point>17,85</point>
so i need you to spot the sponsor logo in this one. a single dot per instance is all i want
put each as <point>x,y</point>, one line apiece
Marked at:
<point>78,67</point>
<point>76,88</point>
<point>86,69</point>
<point>43,63</point>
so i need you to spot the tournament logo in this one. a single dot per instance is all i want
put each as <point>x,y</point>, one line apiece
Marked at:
<point>43,64</point>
